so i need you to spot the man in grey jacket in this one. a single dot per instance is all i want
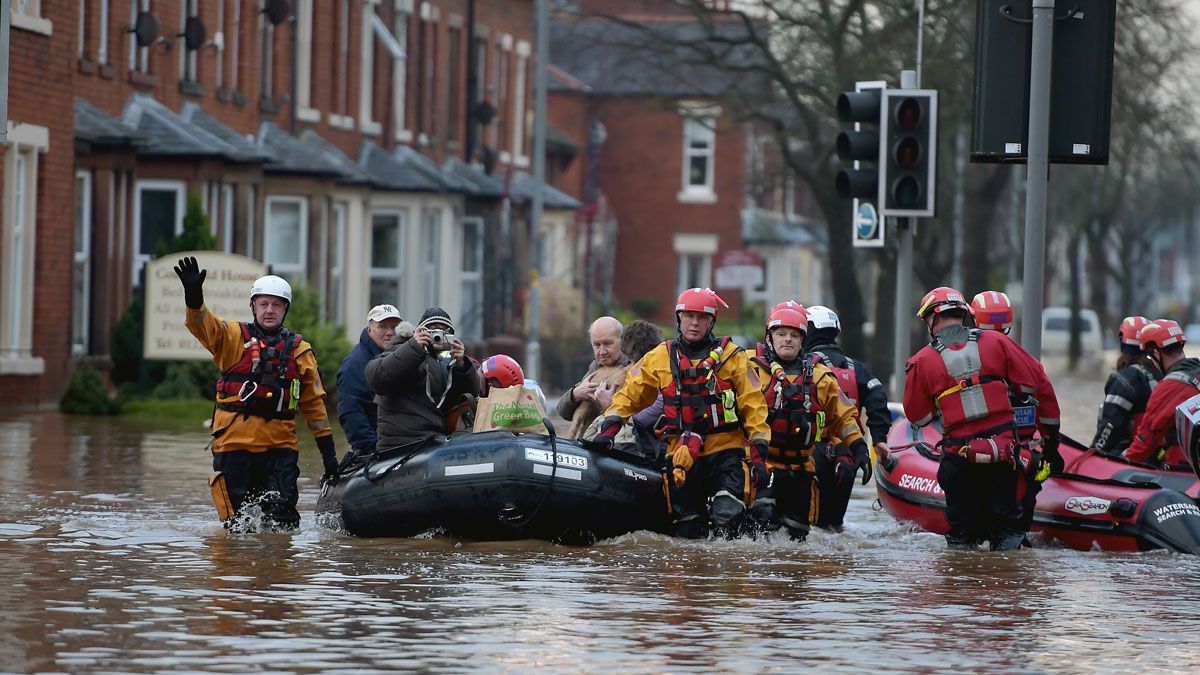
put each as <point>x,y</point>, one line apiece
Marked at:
<point>417,379</point>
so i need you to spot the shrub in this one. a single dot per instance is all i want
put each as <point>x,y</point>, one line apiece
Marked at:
<point>645,306</point>
<point>86,394</point>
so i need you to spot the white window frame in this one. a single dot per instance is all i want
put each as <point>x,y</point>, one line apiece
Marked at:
<point>27,15</point>
<point>389,273</point>
<point>304,50</point>
<point>82,28</point>
<point>180,189</point>
<point>400,72</point>
<point>518,130</point>
<point>703,128</point>
<point>18,250</point>
<point>335,302</point>
<point>188,71</point>
<point>218,39</point>
<point>139,57</point>
<point>687,245</point>
<point>266,58</point>
<point>501,84</point>
<point>228,197</point>
<point>251,217</point>
<point>235,45</point>
<point>431,255</point>
<point>294,270</point>
<point>366,71</point>
<point>81,306</point>
<point>471,327</point>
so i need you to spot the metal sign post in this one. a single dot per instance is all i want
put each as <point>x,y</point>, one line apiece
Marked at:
<point>533,354</point>
<point>1037,175</point>
<point>5,21</point>
<point>904,278</point>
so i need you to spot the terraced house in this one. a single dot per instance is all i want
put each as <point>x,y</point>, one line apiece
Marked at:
<point>373,150</point>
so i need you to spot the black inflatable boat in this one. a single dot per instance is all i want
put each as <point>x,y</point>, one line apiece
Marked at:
<point>498,486</point>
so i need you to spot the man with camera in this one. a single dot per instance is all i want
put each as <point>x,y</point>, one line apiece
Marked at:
<point>418,379</point>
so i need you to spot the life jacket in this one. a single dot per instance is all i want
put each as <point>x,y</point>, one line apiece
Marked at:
<point>847,377</point>
<point>796,421</point>
<point>974,396</point>
<point>1189,374</point>
<point>265,382</point>
<point>698,399</point>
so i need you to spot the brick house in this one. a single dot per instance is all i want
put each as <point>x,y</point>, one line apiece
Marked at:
<point>344,145</point>
<point>683,177</point>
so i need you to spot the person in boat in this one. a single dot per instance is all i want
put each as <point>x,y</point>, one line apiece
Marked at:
<point>356,402</point>
<point>865,392</point>
<point>501,371</point>
<point>579,404</point>
<point>712,407</point>
<point>1127,390</point>
<point>268,374</point>
<point>637,339</point>
<point>805,407</point>
<point>1154,440</point>
<point>964,375</point>
<point>418,379</point>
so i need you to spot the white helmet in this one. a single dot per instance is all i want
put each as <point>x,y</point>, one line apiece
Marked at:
<point>271,285</point>
<point>820,316</point>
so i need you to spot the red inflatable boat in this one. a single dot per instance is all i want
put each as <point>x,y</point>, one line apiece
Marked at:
<point>1098,503</point>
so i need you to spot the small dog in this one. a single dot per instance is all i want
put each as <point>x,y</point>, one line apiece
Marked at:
<point>611,377</point>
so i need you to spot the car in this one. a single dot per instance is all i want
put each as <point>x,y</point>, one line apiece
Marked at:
<point>1056,333</point>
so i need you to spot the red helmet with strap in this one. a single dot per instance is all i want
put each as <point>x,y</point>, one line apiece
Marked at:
<point>1160,334</point>
<point>993,310</point>
<point>703,300</point>
<point>786,317</point>
<point>787,304</point>
<point>942,299</point>
<point>502,371</point>
<point>1128,331</point>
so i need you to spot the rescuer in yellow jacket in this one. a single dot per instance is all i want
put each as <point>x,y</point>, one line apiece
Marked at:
<point>804,406</point>
<point>714,418</point>
<point>268,374</point>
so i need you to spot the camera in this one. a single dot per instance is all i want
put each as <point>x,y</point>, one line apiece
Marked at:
<point>438,341</point>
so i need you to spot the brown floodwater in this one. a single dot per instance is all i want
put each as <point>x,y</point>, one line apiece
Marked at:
<point>113,560</point>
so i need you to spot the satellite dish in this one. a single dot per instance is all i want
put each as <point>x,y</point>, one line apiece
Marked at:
<point>277,11</point>
<point>145,29</point>
<point>484,112</point>
<point>194,33</point>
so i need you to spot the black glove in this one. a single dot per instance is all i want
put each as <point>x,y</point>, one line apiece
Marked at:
<point>607,434</point>
<point>328,458</point>
<point>862,460</point>
<point>192,277</point>
<point>760,475</point>
<point>1050,438</point>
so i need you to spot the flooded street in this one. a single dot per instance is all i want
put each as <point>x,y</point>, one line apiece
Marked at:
<point>114,561</point>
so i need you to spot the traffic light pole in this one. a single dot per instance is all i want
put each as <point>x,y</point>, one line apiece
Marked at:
<point>904,280</point>
<point>1037,175</point>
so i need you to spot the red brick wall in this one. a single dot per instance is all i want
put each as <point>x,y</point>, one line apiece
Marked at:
<point>568,112</point>
<point>641,174</point>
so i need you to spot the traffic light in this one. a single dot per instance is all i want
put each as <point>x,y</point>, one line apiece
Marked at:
<point>860,145</point>
<point>908,153</point>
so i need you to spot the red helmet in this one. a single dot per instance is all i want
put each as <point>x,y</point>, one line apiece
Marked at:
<point>1129,328</point>
<point>787,304</point>
<point>1160,334</point>
<point>502,371</point>
<point>942,299</point>
<point>787,317</point>
<point>992,310</point>
<point>703,300</point>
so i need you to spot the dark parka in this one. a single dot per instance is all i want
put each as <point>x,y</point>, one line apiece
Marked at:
<point>871,394</point>
<point>1125,396</point>
<point>414,390</point>
<point>356,407</point>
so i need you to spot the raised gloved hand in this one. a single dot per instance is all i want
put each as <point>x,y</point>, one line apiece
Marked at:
<point>684,455</point>
<point>760,475</point>
<point>862,460</point>
<point>192,277</point>
<point>1050,440</point>
<point>328,458</point>
<point>607,433</point>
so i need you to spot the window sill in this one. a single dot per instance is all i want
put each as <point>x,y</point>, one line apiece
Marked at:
<point>696,197</point>
<point>33,24</point>
<point>404,136</point>
<point>521,161</point>
<point>87,66</point>
<point>108,71</point>
<point>191,88</point>
<point>28,365</point>
<point>306,114</point>
<point>341,121</point>
<point>142,80</point>
<point>267,105</point>
<point>239,99</point>
<point>370,127</point>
